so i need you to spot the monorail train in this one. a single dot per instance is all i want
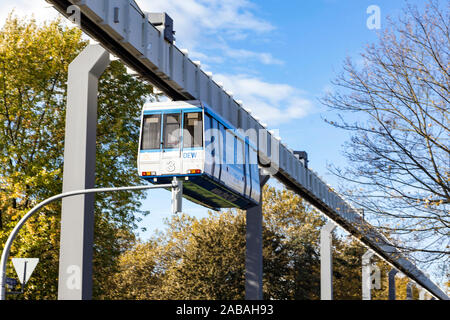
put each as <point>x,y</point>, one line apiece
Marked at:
<point>187,139</point>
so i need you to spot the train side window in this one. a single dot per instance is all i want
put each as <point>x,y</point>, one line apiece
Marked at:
<point>254,165</point>
<point>223,144</point>
<point>208,127</point>
<point>247,166</point>
<point>193,130</point>
<point>172,131</point>
<point>230,147</point>
<point>216,140</point>
<point>208,132</point>
<point>151,132</point>
<point>240,153</point>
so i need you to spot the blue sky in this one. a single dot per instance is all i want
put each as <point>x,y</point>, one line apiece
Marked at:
<point>293,48</point>
<point>278,57</point>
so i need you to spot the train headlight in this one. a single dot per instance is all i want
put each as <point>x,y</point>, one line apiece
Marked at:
<point>148,173</point>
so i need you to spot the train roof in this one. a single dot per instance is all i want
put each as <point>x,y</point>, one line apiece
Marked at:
<point>167,105</point>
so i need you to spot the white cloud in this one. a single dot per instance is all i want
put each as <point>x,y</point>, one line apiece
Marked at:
<point>273,103</point>
<point>195,18</point>
<point>243,54</point>
<point>205,25</point>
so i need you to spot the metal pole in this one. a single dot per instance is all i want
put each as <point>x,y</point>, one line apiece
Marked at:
<point>77,213</point>
<point>254,247</point>
<point>326,261</point>
<point>177,195</point>
<point>366,271</point>
<point>24,275</point>
<point>391,283</point>
<point>15,231</point>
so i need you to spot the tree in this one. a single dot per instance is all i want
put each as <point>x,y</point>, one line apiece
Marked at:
<point>347,271</point>
<point>205,258</point>
<point>396,105</point>
<point>33,73</point>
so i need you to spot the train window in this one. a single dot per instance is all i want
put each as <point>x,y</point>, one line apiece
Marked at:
<point>218,142</point>
<point>223,143</point>
<point>172,131</point>
<point>193,130</point>
<point>240,152</point>
<point>208,130</point>
<point>229,147</point>
<point>151,132</point>
<point>247,169</point>
<point>254,165</point>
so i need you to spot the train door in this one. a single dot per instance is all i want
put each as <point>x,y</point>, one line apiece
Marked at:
<point>171,144</point>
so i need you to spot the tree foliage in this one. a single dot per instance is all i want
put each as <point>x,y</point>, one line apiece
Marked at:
<point>396,106</point>
<point>205,258</point>
<point>34,62</point>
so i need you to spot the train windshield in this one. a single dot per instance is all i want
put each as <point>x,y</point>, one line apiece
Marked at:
<point>151,132</point>
<point>172,136</point>
<point>171,131</point>
<point>193,130</point>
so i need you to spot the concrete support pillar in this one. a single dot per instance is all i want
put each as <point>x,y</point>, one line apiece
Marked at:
<point>326,261</point>
<point>391,283</point>
<point>366,271</point>
<point>409,291</point>
<point>254,249</point>
<point>422,294</point>
<point>77,213</point>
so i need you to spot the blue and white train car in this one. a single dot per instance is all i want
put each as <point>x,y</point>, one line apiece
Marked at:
<point>187,139</point>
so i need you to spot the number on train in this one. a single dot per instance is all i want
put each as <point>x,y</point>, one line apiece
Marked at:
<point>186,139</point>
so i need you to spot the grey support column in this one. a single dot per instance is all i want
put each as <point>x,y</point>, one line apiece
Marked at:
<point>254,248</point>
<point>422,294</point>
<point>391,283</point>
<point>409,288</point>
<point>422,291</point>
<point>77,216</point>
<point>366,271</point>
<point>326,261</point>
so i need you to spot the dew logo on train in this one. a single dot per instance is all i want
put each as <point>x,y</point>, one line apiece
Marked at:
<point>187,139</point>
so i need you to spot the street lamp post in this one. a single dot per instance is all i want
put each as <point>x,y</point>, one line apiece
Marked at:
<point>5,254</point>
